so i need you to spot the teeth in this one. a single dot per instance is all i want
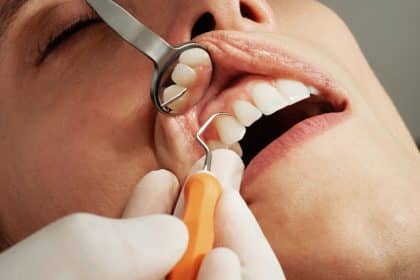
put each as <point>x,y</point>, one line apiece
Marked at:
<point>236,147</point>
<point>171,92</point>
<point>214,145</point>
<point>183,75</point>
<point>246,113</point>
<point>229,129</point>
<point>267,98</point>
<point>294,90</point>
<point>313,90</point>
<point>195,57</point>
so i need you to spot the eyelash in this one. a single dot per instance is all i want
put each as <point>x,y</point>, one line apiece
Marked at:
<point>58,38</point>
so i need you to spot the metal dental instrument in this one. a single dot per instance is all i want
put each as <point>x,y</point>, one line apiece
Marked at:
<point>201,193</point>
<point>163,55</point>
<point>208,158</point>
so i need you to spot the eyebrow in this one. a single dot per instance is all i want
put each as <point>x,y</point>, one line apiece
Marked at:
<point>8,13</point>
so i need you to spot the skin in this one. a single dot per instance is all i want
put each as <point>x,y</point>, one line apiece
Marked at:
<point>78,131</point>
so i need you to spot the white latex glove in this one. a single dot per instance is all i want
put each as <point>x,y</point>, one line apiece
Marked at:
<point>244,252</point>
<point>84,246</point>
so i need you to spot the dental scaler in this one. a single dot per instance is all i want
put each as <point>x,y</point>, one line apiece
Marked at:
<point>201,193</point>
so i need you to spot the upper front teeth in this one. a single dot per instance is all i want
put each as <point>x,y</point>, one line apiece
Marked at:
<point>313,90</point>
<point>245,112</point>
<point>267,100</point>
<point>230,130</point>
<point>295,91</point>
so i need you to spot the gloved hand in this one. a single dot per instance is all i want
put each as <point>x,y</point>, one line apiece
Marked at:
<point>84,246</point>
<point>242,251</point>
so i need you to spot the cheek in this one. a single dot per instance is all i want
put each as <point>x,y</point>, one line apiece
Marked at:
<point>85,163</point>
<point>83,149</point>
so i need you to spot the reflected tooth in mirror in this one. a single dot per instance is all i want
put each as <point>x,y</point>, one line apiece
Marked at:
<point>194,57</point>
<point>295,91</point>
<point>313,90</point>
<point>171,92</point>
<point>267,98</point>
<point>246,113</point>
<point>229,130</point>
<point>183,75</point>
<point>236,147</point>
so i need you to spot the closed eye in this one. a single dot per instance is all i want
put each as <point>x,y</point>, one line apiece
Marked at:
<point>64,35</point>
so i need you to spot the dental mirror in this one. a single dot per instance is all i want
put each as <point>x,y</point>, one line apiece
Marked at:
<point>181,74</point>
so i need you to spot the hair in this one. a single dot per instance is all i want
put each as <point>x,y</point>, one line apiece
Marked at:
<point>3,244</point>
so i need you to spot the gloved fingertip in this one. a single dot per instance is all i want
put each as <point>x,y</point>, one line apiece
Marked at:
<point>220,263</point>
<point>155,242</point>
<point>158,176</point>
<point>156,192</point>
<point>228,168</point>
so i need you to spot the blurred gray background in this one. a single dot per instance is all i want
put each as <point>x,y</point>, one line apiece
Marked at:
<point>388,31</point>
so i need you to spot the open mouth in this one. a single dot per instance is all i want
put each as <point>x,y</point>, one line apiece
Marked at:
<point>264,110</point>
<point>267,129</point>
<point>275,98</point>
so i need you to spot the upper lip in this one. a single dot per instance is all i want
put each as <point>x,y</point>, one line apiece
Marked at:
<point>235,54</point>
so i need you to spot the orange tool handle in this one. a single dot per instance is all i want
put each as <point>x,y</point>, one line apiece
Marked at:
<point>202,192</point>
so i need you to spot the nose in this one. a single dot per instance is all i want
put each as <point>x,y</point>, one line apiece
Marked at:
<point>195,17</point>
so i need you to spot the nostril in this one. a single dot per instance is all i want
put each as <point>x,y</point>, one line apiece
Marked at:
<point>248,12</point>
<point>205,23</point>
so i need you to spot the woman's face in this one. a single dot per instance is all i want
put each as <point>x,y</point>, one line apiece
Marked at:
<point>78,129</point>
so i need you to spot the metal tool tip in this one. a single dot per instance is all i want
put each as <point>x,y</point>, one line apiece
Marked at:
<point>208,155</point>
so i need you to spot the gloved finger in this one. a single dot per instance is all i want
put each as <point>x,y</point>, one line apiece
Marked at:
<point>220,263</point>
<point>156,193</point>
<point>236,228</point>
<point>153,245</point>
<point>84,246</point>
<point>227,166</point>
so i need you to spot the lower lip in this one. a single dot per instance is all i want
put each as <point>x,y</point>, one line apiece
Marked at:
<point>291,139</point>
